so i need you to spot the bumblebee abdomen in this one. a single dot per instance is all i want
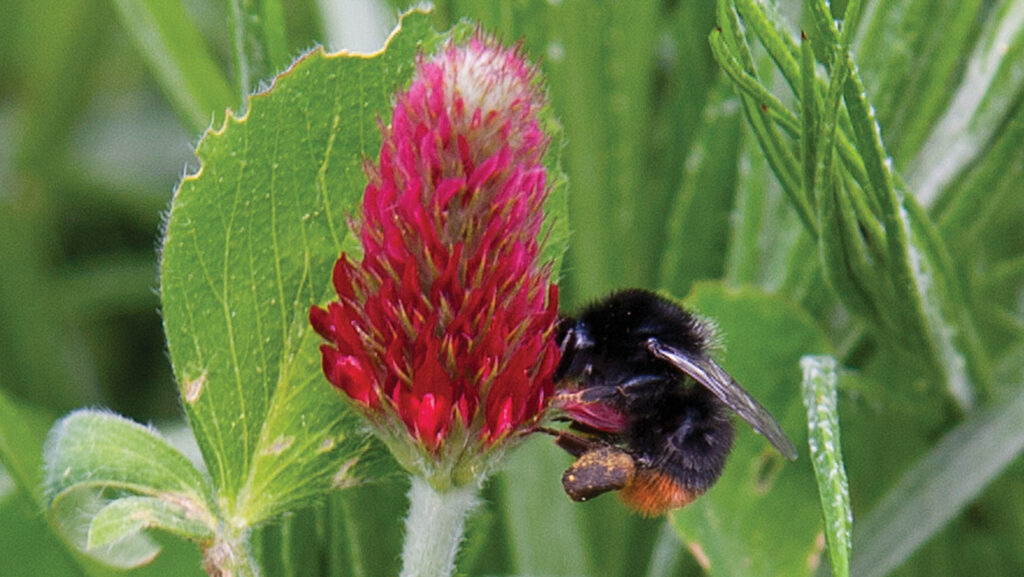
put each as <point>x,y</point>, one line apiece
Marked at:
<point>653,492</point>
<point>688,436</point>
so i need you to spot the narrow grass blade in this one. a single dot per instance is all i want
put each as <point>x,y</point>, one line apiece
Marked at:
<point>179,59</point>
<point>703,206</point>
<point>986,190</point>
<point>819,388</point>
<point>913,54</point>
<point>933,319</point>
<point>989,90</point>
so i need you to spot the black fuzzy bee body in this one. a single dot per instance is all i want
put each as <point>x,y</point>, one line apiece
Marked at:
<point>643,360</point>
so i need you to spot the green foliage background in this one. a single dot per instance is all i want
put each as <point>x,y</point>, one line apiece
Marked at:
<point>669,189</point>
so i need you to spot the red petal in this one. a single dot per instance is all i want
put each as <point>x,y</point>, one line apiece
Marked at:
<point>321,322</point>
<point>342,277</point>
<point>599,416</point>
<point>348,373</point>
<point>432,420</point>
<point>502,422</point>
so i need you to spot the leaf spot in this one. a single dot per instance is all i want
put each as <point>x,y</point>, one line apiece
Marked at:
<point>143,515</point>
<point>280,445</point>
<point>194,388</point>
<point>192,509</point>
<point>341,479</point>
<point>814,558</point>
<point>326,445</point>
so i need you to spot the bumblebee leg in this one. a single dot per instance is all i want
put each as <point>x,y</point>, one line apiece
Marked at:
<point>640,382</point>
<point>575,445</point>
<point>600,394</point>
<point>598,471</point>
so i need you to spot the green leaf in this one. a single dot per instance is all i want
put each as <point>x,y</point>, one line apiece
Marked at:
<point>126,517</point>
<point>938,486</point>
<point>761,517</point>
<point>813,172</point>
<point>28,539</point>
<point>92,457</point>
<point>819,388</point>
<point>249,246</point>
<point>106,451</point>
<point>178,57</point>
<point>73,513</point>
<point>667,555</point>
<point>25,538</point>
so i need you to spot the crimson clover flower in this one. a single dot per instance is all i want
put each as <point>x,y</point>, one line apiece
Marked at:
<point>442,333</point>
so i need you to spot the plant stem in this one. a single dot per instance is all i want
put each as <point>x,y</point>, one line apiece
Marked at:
<point>228,557</point>
<point>434,528</point>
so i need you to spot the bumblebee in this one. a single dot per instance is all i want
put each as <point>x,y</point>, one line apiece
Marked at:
<point>650,410</point>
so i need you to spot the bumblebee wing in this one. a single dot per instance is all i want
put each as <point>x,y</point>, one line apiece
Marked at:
<point>714,378</point>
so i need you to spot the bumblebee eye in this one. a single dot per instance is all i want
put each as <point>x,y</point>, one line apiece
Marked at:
<point>573,336</point>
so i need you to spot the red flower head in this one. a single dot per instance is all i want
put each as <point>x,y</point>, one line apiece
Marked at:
<point>443,332</point>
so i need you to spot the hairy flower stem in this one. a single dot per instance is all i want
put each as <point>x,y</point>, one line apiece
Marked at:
<point>434,528</point>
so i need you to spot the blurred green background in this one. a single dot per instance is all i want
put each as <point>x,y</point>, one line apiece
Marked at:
<point>94,140</point>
